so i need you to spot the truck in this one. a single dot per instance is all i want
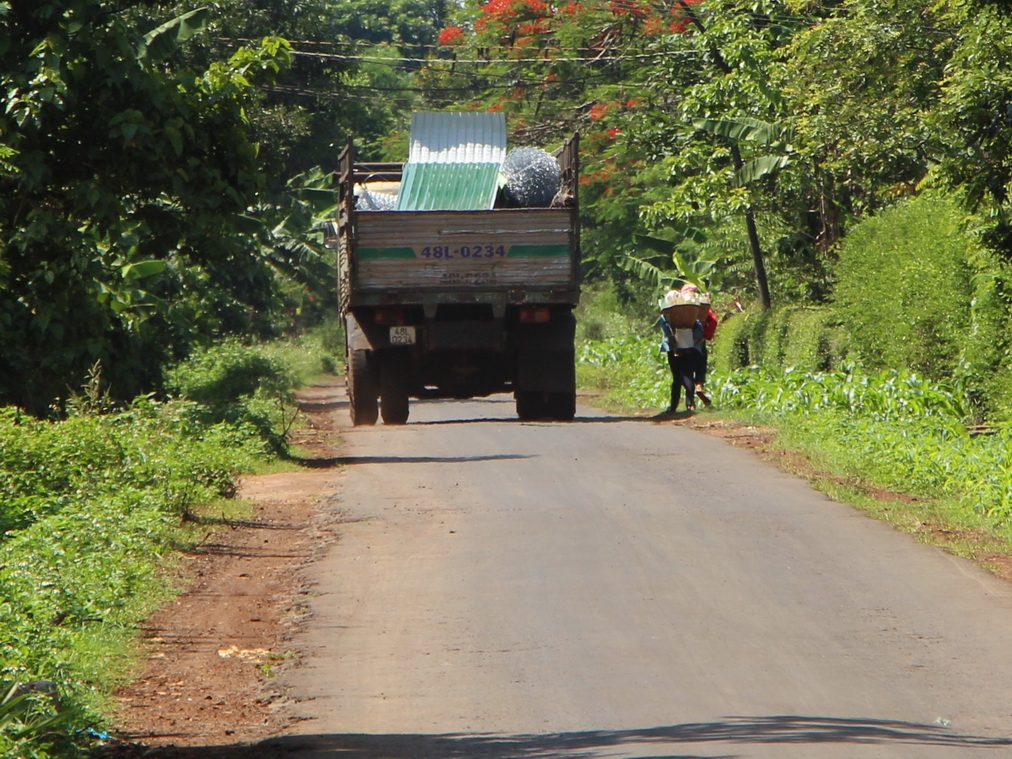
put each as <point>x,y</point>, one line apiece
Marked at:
<point>448,289</point>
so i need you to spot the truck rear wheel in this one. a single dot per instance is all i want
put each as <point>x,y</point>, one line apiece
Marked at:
<point>363,392</point>
<point>530,405</point>
<point>562,406</point>
<point>394,387</point>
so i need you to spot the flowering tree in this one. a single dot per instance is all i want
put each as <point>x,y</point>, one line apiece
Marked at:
<point>754,126</point>
<point>619,71</point>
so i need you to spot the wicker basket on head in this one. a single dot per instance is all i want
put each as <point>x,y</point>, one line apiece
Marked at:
<point>703,307</point>
<point>680,311</point>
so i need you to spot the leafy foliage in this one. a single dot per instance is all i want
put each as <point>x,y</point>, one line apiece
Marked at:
<point>903,288</point>
<point>804,338</point>
<point>89,506</point>
<point>124,215</point>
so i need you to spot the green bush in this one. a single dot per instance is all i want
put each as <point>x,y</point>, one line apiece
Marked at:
<point>806,338</point>
<point>986,369</point>
<point>240,386</point>
<point>225,372</point>
<point>815,340</point>
<point>730,349</point>
<point>90,505</point>
<point>904,290</point>
<point>602,315</point>
<point>319,349</point>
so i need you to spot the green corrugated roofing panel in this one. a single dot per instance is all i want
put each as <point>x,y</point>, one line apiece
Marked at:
<point>448,187</point>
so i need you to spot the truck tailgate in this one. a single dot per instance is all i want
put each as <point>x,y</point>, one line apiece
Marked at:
<point>435,250</point>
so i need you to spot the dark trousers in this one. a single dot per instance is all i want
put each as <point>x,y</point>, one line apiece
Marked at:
<point>701,363</point>
<point>683,371</point>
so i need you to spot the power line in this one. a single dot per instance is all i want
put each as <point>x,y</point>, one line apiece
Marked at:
<point>491,61</point>
<point>519,84</point>
<point>480,61</point>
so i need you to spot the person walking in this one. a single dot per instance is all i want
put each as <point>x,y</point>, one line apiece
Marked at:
<point>708,328</point>
<point>681,345</point>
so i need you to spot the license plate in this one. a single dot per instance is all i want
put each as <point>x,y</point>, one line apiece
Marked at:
<point>402,335</point>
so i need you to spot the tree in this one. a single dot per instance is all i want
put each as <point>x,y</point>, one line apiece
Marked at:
<point>862,80</point>
<point>124,196</point>
<point>975,110</point>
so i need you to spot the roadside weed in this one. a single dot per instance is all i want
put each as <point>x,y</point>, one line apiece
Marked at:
<point>93,508</point>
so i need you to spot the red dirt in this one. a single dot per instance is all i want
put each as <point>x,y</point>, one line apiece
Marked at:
<point>208,678</point>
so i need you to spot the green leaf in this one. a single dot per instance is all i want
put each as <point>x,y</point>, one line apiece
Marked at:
<point>141,269</point>
<point>163,41</point>
<point>745,129</point>
<point>249,225</point>
<point>648,271</point>
<point>761,167</point>
<point>655,243</point>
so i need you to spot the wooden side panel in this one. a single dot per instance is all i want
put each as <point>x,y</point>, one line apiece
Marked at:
<point>471,249</point>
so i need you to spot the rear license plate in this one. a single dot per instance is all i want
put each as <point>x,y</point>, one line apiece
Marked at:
<point>402,335</point>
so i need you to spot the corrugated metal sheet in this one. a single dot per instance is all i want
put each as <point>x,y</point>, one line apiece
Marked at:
<point>448,187</point>
<point>454,162</point>
<point>457,137</point>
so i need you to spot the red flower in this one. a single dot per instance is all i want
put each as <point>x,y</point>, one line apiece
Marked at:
<point>531,28</point>
<point>681,16</point>
<point>614,132</point>
<point>451,35</point>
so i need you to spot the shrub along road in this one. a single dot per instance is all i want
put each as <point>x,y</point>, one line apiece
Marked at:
<point>626,587</point>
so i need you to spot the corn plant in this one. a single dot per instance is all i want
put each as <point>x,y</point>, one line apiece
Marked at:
<point>28,713</point>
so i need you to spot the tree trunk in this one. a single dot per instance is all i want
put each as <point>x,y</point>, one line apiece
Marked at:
<point>758,263</point>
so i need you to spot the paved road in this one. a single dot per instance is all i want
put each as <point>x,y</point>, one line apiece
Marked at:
<point>621,588</point>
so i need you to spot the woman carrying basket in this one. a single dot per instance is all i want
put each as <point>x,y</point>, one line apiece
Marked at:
<point>681,340</point>
<point>707,320</point>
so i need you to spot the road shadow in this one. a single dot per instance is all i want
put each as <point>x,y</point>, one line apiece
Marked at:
<point>319,406</point>
<point>785,729</point>
<point>326,463</point>
<point>547,422</point>
<point>336,404</point>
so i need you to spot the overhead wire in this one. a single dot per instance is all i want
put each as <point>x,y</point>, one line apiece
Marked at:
<point>490,61</point>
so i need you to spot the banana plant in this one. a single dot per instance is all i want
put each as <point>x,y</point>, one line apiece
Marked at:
<point>776,136</point>
<point>737,132</point>
<point>686,267</point>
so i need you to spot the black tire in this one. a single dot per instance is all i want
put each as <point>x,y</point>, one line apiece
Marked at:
<point>363,392</point>
<point>530,405</point>
<point>562,406</point>
<point>394,383</point>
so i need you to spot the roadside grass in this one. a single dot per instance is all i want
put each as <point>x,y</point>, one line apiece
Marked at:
<point>96,510</point>
<point>890,443</point>
<point>319,350</point>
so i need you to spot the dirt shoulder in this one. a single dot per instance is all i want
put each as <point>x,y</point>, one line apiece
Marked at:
<point>212,652</point>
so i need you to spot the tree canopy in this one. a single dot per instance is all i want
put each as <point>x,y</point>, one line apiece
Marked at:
<point>747,133</point>
<point>164,165</point>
